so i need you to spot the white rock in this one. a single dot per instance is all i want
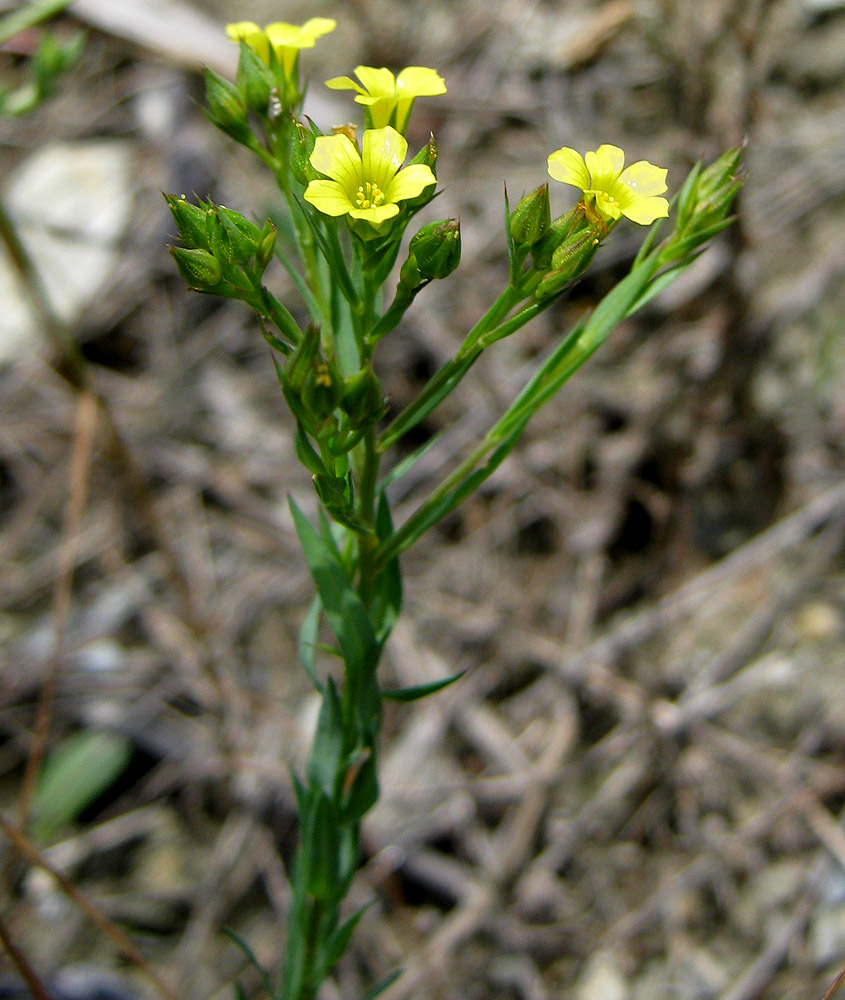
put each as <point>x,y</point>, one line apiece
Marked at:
<point>70,203</point>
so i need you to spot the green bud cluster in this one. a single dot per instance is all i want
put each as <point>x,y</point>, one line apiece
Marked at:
<point>704,203</point>
<point>222,251</point>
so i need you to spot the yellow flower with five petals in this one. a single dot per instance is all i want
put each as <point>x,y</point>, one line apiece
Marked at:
<point>388,99</point>
<point>366,185</point>
<point>632,192</point>
<point>286,39</point>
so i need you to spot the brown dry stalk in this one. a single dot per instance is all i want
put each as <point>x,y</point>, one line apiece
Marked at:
<point>26,848</point>
<point>834,986</point>
<point>28,974</point>
<point>86,421</point>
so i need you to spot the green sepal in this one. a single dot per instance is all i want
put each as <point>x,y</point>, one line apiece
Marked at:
<point>420,690</point>
<point>190,221</point>
<point>255,80</point>
<point>226,107</point>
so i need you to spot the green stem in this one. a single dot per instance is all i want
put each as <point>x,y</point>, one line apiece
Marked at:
<point>486,331</point>
<point>367,481</point>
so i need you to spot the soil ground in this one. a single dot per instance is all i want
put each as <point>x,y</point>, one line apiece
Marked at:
<point>637,789</point>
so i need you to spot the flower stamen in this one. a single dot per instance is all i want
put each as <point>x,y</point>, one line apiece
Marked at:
<point>369,195</point>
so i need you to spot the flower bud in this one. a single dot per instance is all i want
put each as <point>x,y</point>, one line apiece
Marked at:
<point>242,235</point>
<point>532,217</point>
<point>226,106</point>
<point>255,80</point>
<point>560,229</point>
<point>362,399</point>
<point>428,154</point>
<point>267,246</point>
<point>436,249</point>
<point>320,391</point>
<point>299,364</point>
<point>569,261</point>
<point>199,269</point>
<point>190,221</point>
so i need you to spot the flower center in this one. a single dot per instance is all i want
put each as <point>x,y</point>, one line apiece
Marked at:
<point>369,195</point>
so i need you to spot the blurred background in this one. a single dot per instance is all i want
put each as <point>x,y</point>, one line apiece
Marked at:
<point>636,792</point>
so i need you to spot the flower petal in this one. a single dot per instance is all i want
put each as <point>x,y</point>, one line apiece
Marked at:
<point>644,178</point>
<point>605,165</point>
<point>420,81</point>
<point>249,32</point>
<point>567,166</point>
<point>344,83</point>
<point>316,27</point>
<point>336,157</point>
<point>377,83</point>
<point>328,197</point>
<point>645,210</point>
<point>382,153</point>
<point>410,182</point>
<point>376,215</point>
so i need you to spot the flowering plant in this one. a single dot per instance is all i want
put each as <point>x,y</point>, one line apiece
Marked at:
<point>349,204</point>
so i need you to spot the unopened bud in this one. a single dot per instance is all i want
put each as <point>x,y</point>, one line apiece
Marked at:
<point>532,217</point>
<point>321,391</point>
<point>255,80</point>
<point>560,230</point>
<point>198,268</point>
<point>362,399</point>
<point>427,156</point>
<point>226,106</point>
<point>436,249</point>
<point>569,261</point>
<point>267,246</point>
<point>190,221</point>
<point>299,364</point>
<point>242,234</point>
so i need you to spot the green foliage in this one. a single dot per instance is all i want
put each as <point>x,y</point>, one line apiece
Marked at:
<point>74,774</point>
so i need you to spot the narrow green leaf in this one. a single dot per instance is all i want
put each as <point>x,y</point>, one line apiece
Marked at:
<point>320,846</point>
<point>266,980</point>
<point>363,793</point>
<point>386,602</point>
<point>381,986</point>
<point>338,942</point>
<point>307,644</point>
<point>345,612</point>
<point>75,773</point>
<point>421,690</point>
<point>324,761</point>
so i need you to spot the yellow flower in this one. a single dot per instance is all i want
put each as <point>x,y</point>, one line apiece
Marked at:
<point>365,185</point>
<point>286,39</point>
<point>631,192</point>
<point>388,98</point>
<point>255,38</point>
